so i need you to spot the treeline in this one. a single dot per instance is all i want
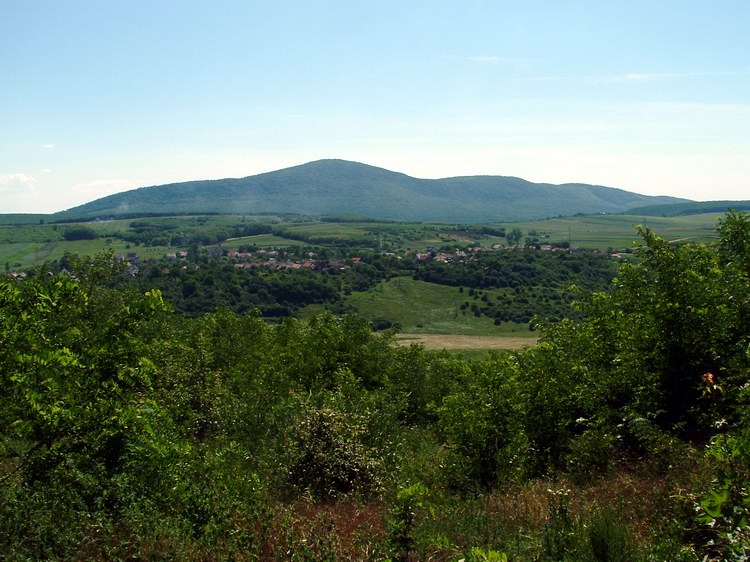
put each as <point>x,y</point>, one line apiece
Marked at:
<point>520,285</point>
<point>317,239</point>
<point>173,232</point>
<point>129,432</point>
<point>522,268</point>
<point>195,291</point>
<point>522,304</point>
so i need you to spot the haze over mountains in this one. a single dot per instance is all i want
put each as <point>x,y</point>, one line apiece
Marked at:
<point>340,187</point>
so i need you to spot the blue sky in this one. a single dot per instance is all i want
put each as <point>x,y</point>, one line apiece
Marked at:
<point>102,96</point>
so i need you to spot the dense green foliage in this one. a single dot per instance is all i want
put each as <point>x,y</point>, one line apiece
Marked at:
<point>533,283</point>
<point>128,431</point>
<point>79,233</point>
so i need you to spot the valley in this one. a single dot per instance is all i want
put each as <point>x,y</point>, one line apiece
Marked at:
<point>384,271</point>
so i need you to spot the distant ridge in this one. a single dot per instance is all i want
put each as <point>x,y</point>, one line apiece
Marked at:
<point>340,187</point>
<point>690,208</point>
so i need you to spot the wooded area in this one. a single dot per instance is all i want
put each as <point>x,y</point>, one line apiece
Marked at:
<point>128,431</point>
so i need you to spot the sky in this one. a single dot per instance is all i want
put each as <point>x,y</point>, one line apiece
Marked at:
<point>103,96</point>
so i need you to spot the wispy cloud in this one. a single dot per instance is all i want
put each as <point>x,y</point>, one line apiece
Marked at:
<point>49,146</point>
<point>100,188</point>
<point>635,76</point>
<point>17,183</point>
<point>651,76</point>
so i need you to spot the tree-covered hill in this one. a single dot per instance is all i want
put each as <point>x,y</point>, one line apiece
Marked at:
<point>342,187</point>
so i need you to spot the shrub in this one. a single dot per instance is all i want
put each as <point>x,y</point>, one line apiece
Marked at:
<point>331,458</point>
<point>482,423</point>
<point>80,233</point>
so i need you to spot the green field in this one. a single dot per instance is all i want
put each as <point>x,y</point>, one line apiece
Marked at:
<point>618,231</point>
<point>26,241</point>
<point>260,240</point>
<point>426,308</point>
<point>589,231</point>
<point>23,218</point>
<point>30,254</point>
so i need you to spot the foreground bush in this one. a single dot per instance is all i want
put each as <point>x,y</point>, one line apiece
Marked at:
<point>129,432</point>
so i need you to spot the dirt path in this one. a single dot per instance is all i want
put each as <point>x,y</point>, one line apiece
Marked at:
<point>437,341</point>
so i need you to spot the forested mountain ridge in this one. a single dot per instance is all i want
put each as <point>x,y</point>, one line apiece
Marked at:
<point>343,187</point>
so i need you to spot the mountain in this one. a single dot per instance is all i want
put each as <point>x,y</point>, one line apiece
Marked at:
<point>336,187</point>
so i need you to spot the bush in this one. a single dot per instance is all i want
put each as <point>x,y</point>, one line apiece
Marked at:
<point>331,458</point>
<point>482,423</point>
<point>80,233</point>
<point>591,453</point>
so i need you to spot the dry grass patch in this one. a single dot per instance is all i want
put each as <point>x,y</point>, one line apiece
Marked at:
<point>436,342</point>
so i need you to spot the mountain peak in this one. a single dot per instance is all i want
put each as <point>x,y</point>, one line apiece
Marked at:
<point>335,186</point>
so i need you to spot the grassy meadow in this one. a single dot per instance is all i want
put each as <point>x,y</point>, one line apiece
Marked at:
<point>261,241</point>
<point>431,315</point>
<point>618,231</point>
<point>24,255</point>
<point>427,308</point>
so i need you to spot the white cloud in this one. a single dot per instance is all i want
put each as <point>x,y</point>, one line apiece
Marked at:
<point>100,188</point>
<point>634,76</point>
<point>48,146</point>
<point>17,183</point>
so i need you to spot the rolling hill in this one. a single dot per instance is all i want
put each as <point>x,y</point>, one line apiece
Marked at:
<point>335,187</point>
<point>690,208</point>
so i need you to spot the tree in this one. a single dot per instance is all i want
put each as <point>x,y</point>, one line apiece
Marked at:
<point>633,369</point>
<point>80,233</point>
<point>482,423</point>
<point>734,247</point>
<point>76,376</point>
<point>514,236</point>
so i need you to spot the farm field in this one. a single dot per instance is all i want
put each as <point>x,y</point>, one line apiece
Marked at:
<point>261,241</point>
<point>618,231</point>
<point>26,240</point>
<point>30,254</point>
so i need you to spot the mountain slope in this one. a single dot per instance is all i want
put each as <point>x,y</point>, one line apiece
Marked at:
<point>343,187</point>
<point>691,208</point>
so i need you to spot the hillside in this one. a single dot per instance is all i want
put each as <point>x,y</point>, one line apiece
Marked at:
<point>343,187</point>
<point>690,208</point>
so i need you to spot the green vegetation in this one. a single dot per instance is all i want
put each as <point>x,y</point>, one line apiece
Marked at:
<point>17,219</point>
<point>337,187</point>
<point>130,432</point>
<point>617,231</point>
<point>155,236</point>
<point>691,208</point>
<point>419,307</point>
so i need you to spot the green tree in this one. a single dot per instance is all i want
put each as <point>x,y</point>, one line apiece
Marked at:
<point>76,375</point>
<point>482,424</point>
<point>514,236</point>
<point>632,370</point>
